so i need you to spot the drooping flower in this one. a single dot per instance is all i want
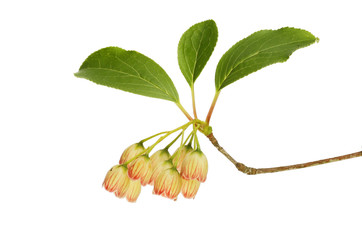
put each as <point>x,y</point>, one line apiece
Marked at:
<point>195,166</point>
<point>159,157</point>
<point>133,191</point>
<point>117,180</point>
<point>141,169</point>
<point>189,188</point>
<point>180,155</point>
<point>131,151</point>
<point>168,183</point>
<point>160,168</point>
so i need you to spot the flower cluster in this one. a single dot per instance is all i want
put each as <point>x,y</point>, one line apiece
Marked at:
<point>169,174</point>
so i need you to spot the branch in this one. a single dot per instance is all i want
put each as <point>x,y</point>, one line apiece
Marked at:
<point>252,171</point>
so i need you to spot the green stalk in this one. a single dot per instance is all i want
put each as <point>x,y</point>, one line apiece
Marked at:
<point>196,142</point>
<point>184,111</point>
<point>178,151</point>
<point>193,100</point>
<point>173,141</point>
<point>146,139</point>
<point>184,143</point>
<point>149,149</point>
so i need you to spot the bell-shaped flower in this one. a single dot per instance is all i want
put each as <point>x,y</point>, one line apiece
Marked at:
<point>189,188</point>
<point>195,166</point>
<point>168,183</point>
<point>131,152</point>
<point>159,157</point>
<point>140,168</point>
<point>160,168</point>
<point>180,155</point>
<point>133,191</point>
<point>117,180</point>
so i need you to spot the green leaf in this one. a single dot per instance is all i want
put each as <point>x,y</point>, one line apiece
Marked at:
<point>259,50</point>
<point>129,71</point>
<point>195,48</point>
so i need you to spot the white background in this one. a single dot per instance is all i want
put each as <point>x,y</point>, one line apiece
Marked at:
<point>59,135</point>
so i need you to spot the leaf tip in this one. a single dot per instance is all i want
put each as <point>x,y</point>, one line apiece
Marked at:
<point>211,21</point>
<point>76,74</point>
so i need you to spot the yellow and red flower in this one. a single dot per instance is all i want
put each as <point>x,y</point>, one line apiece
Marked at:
<point>189,188</point>
<point>170,175</point>
<point>131,152</point>
<point>159,157</point>
<point>195,166</point>
<point>180,155</point>
<point>141,169</point>
<point>168,183</point>
<point>133,191</point>
<point>117,180</point>
<point>160,168</point>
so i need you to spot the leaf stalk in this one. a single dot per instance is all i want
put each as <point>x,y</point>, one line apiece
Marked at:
<point>193,100</point>
<point>184,111</point>
<point>217,93</point>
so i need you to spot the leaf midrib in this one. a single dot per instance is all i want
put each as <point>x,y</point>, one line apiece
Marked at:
<point>197,54</point>
<point>192,71</point>
<point>258,52</point>
<point>139,76</point>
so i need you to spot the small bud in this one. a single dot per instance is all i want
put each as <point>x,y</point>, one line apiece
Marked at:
<point>168,183</point>
<point>133,191</point>
<point>160,168</point>
<point>131,152</point>
<point>184,150</point>
<point>117,180</point>
<point>189,188</point>
<point>159,157</point>
<point>141,169</point>
<point>195,166</point>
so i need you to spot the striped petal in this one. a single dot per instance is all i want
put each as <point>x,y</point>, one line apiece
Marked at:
<point>195,166</point>
<point>168,184</point>
<point>190,188</point>
<point>133,191</point>
<point>116,179</point>
<point>140,169</point>
<point>131,152</point>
